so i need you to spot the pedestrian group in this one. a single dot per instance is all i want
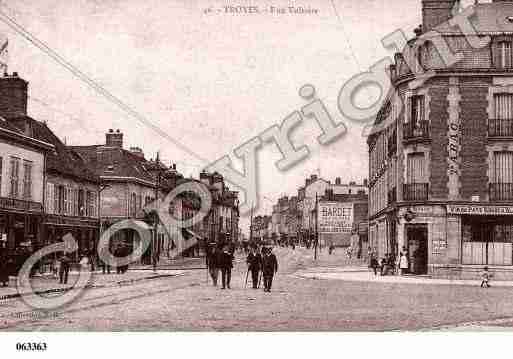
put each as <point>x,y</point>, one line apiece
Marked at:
<point>261,265</point>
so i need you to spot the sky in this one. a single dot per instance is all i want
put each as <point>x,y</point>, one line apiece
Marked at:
<point>212,80</point>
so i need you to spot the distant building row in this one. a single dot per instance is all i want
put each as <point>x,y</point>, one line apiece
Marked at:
<point>334,210</point>
<point>48,189</point>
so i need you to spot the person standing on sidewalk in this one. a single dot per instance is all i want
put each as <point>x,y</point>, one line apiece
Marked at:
<point>225,263</point>
<point>212,267</point>
<point>403,263</point>
<point>64,269</point>
<point>254,261</point>
<point>269,268</point>
<point>84,263</point>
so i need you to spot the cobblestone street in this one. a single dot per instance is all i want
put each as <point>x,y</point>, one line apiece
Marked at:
<point>187,302</point>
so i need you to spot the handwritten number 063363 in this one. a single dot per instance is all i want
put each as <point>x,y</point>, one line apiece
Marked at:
<point>31,346</point>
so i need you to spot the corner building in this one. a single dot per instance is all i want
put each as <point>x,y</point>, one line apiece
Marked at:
<point>441,154</point>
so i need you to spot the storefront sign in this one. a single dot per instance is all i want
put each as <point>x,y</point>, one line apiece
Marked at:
<point>439,245</point>
<point>335,217</point>
<point>454,144</point>
<point>480,210</point>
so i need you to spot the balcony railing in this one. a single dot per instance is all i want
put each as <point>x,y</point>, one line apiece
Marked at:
<point>415,191</point>
<point>500,127</point>
<point>501,191</point>
<point>416,131</point>
<point>20,205</point>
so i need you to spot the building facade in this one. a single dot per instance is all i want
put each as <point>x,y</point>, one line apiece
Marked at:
<point>22,195</point>
<point>441,153</point>
<point>316,187</point>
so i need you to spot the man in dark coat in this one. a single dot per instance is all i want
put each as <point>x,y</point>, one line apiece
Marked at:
<point>213,269</point>
<point>254,261</point>
<point>64,270</point>
<point>225,263</point>
<point>269,268</point>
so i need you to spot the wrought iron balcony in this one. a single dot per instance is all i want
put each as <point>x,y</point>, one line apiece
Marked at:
<point>501,191</point>
<point>415,191</point>
<point>20,205</point>
<point>500,127</point>
<point>416,131</point>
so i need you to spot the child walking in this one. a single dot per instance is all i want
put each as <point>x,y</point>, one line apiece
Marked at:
<point>485,278</point>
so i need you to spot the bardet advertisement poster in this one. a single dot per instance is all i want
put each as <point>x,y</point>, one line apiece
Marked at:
<point>335,217</point>
<point>169,167</point>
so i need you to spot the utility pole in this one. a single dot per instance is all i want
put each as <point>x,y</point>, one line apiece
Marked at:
<point>316,225</point>
<point>251,226</point>
<point>154,251</point>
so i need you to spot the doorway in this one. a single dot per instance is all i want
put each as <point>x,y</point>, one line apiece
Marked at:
<point>417,248</point>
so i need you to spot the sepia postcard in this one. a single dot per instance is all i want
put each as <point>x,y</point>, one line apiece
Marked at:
<point>177,167</point>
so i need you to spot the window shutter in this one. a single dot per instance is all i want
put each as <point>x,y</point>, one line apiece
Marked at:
<point>496,55</point>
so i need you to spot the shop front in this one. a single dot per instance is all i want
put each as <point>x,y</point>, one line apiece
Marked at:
<point>457,240</point>
<point>20,225</point>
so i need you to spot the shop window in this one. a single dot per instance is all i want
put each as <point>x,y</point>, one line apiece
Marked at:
<point>486,243</point>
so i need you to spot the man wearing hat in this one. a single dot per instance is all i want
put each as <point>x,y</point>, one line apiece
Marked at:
<point>212,263</point>
<point>269,268</point>
<point>254,261</point>
<point>225,263</point>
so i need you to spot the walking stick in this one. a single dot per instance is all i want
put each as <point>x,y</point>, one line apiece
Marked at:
<point>246,283</point>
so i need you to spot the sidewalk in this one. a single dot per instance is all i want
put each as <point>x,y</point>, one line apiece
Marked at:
<point>49,284</point>
<point>362,274</point>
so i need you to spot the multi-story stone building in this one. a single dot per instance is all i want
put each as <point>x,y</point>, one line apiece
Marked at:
<point>71,191</point>
<point>441,155</point>
<point>22,176</point>
<point>222,223</point>
<point>317,187</point>
<point>129,183</point>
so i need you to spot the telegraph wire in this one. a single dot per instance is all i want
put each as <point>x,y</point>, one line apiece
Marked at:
<point>95,86</point>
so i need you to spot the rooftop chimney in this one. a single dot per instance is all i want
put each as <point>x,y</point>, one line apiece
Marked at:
<point>137,151</point>
<point>435,12</point>
<point>114,139</point>
<point>338,181</point>
<point>13,96</point>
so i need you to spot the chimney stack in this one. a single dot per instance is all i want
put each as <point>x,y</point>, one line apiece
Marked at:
<point>137,151</point>
<point>338,181</point>
<point>13,96</point>
<point>114,139</point>
<point>435,12</point>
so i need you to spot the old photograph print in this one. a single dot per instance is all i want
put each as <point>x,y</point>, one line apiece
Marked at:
<point>255,166</point>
